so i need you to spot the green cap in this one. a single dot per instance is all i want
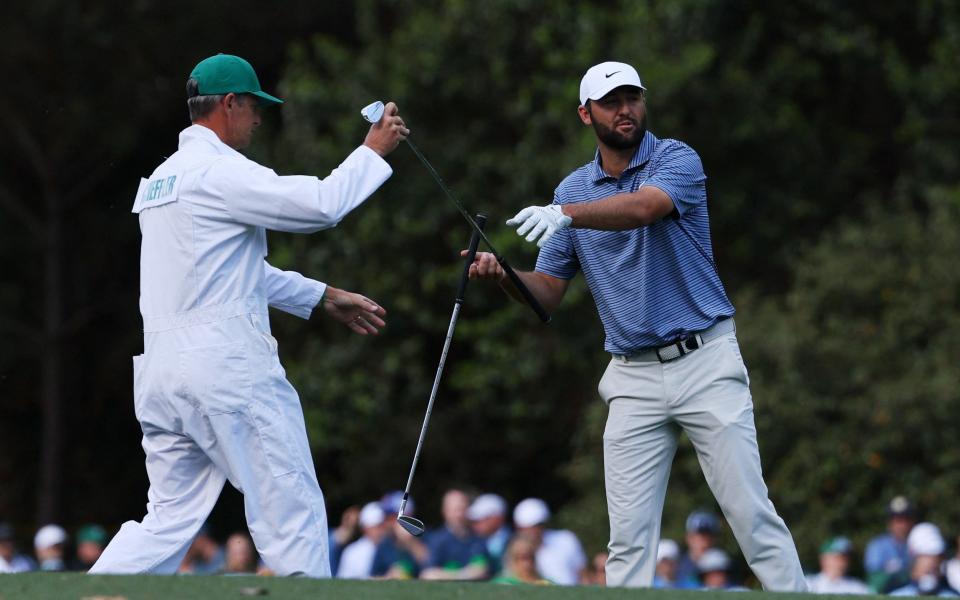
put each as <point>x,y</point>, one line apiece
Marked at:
<point>837,545</point>
<point>92,533</point>
<point>225,73</point>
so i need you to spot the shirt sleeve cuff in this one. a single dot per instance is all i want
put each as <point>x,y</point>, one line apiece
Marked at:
<point>377,164</point>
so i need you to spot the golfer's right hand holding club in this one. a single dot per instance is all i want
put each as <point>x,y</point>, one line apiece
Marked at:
<point>388,129</point>
<point>485,266</point>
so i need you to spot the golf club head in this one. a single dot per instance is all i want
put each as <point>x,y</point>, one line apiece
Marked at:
<point>412,526</point>
<point>373,112</point>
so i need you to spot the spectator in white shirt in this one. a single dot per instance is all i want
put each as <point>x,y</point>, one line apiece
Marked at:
<point>560,556</point>
<point>834,562</point>
<point>356,562</point>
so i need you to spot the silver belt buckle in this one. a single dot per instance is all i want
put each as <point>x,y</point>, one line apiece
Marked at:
<point>680,348</point>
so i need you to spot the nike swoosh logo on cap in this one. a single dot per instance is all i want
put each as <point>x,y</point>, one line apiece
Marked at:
<point>608,75</point>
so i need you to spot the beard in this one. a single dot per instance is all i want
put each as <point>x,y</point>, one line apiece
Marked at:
<point>622,141</point>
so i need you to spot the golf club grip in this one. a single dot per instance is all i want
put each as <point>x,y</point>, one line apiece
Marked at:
<point>481,220</point>
<point>524,291</point>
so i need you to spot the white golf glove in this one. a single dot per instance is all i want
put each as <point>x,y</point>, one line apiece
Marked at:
<point>545,220</point>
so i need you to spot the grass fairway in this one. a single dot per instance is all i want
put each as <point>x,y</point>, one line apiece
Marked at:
<point>77,586</point>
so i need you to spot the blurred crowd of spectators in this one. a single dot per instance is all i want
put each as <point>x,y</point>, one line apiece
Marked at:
<point>482,539</point>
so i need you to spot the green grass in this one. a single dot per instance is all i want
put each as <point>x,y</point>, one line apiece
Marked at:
<point>77,586</point>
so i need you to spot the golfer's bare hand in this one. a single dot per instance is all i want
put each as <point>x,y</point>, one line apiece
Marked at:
<point>387,133</point>
<point>485,266</point>
<point>359,313</point>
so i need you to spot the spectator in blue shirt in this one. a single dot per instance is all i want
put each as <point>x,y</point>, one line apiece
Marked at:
<point>488,519</point>
<point>12,561</point>
<point>668,575</point>
<point>886,559</point>
<point>702,528</point>
<point>634,221</point>
<point>400,555</point>
<point>455,552</point>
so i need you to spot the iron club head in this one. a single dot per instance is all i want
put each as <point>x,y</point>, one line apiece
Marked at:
<point>373,112</point>
<point>412,525</point>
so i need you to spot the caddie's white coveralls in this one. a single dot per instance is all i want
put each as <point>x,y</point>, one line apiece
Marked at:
<point>211,397</point>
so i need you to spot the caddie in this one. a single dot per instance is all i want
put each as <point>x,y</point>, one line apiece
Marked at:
<point>634,221</point>
<point>210,394</point>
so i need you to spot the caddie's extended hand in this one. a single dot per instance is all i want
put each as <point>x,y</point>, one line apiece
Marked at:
<point>361,314</point>
<point>485,266</point>
<point>540,221</point>
<point>387,133</point>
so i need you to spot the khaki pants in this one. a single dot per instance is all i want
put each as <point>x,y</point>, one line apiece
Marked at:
<point>705,394</point>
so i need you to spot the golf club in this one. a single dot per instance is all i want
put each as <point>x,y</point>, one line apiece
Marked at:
<point>372,113</point>
<point>413,525</point>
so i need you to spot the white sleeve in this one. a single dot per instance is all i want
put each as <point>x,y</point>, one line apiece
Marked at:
<point>255,195</point>
<point>291,292</point>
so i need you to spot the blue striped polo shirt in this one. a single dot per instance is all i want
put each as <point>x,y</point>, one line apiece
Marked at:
<point>652,284</point>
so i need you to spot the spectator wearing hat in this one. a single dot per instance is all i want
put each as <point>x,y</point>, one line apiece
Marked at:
<point>952,568</point>
<point>926,546</point>
<point>356,562</point>
<point>91,540</point>
<point>50,544</point>
<point>12,561</point>
<point>456,553</point>
<point>714,565</point>
<point>668,558</point>
<point>400,555</point>
<point>834,562</point>
<point>886,560</point>
<point>205,556</point>
<point>488,520</point>
<point>702,529</point>
<point>560,557</point>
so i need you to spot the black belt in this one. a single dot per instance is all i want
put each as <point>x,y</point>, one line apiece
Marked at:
<point>681,347</point>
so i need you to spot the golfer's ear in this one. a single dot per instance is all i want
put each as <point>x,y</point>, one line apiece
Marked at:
<point>584,114</point>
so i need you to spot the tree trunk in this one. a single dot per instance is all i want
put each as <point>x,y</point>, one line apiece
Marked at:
<point>51,456</point>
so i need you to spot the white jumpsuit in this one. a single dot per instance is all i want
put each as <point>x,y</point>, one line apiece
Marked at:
<point>209,392</point>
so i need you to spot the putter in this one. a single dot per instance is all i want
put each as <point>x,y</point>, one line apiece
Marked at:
<point>412,525</point>
<point>372,113</point>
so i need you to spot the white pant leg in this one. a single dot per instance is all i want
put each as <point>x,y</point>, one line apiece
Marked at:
<point>184,487</point>
<point>262,448</point>
<point>715,409</point>
<point>639,444</point>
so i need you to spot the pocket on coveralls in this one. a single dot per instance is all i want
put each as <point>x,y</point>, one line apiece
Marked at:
<point>216,379</point>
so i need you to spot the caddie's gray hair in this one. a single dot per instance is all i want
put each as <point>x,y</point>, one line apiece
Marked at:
<point>201,106</point>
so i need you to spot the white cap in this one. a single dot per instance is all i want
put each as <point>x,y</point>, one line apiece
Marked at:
<point>530,512</point>
<point>371,514</point>
<point>49,535</point>
<point>487,505</point>
<point>713,559</point>
<point>667,550</point>
<point>925,539</point>
<point>602,78</point>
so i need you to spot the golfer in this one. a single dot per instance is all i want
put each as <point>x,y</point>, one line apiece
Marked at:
<point>209,391</point>
<point>634,221</point>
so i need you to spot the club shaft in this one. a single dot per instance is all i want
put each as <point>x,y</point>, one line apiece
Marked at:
<point>433,393</point>
<point>517,282</point>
